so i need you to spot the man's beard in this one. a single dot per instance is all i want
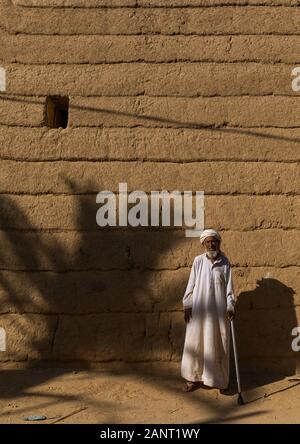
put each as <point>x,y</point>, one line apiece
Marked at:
<point>212,253</point>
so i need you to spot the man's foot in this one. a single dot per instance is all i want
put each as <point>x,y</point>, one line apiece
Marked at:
<point>191,386</point>
<point>225,391</point>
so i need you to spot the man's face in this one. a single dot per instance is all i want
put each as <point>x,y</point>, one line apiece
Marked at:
<point>211,244</point>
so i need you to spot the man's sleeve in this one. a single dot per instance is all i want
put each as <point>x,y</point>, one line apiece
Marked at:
<point>229,290</point>
<point>188,295</point>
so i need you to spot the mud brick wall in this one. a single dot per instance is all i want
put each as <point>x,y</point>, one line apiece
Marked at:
<point>163,94</point>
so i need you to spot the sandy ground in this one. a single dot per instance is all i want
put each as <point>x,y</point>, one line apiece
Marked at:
<point>141,393</point>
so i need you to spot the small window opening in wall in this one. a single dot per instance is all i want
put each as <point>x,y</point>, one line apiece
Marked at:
<point>57,110</point>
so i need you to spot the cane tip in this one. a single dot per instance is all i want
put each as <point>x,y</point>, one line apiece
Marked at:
<point>240,400</point>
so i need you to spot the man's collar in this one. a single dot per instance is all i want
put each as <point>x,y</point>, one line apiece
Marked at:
<point>219,259</point>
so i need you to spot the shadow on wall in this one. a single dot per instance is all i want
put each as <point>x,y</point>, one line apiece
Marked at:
<point>87,295</point>
<point>92,295</point>
<point>264,322</point>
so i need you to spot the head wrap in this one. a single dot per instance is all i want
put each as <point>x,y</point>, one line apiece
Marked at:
<point>208,233</point>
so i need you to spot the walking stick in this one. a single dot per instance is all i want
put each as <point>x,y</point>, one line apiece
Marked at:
<point>240,398</point>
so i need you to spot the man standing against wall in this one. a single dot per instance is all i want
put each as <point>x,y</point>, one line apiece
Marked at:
<point>208,305</point>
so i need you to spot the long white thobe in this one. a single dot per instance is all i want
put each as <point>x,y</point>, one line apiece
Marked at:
<point>210,294</point>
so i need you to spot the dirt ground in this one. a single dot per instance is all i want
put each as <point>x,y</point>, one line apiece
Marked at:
<point>140,393</point>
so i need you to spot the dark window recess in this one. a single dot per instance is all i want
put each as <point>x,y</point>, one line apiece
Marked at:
<point>57,109</point>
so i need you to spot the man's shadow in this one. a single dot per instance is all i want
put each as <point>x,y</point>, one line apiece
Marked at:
<point>265,318</point>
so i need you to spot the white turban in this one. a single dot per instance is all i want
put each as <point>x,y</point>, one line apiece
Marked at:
<point>209,232</point>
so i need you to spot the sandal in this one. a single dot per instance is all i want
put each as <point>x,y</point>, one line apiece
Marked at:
<point>224,391</point>
<point>191,386</point>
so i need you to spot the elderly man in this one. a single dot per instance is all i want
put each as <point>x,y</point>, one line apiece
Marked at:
<point>208,306</point>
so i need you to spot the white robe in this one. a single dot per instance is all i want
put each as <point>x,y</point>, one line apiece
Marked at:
<point>210,294</point>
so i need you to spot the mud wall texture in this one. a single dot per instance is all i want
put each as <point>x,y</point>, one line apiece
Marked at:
<point>175,95</point>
